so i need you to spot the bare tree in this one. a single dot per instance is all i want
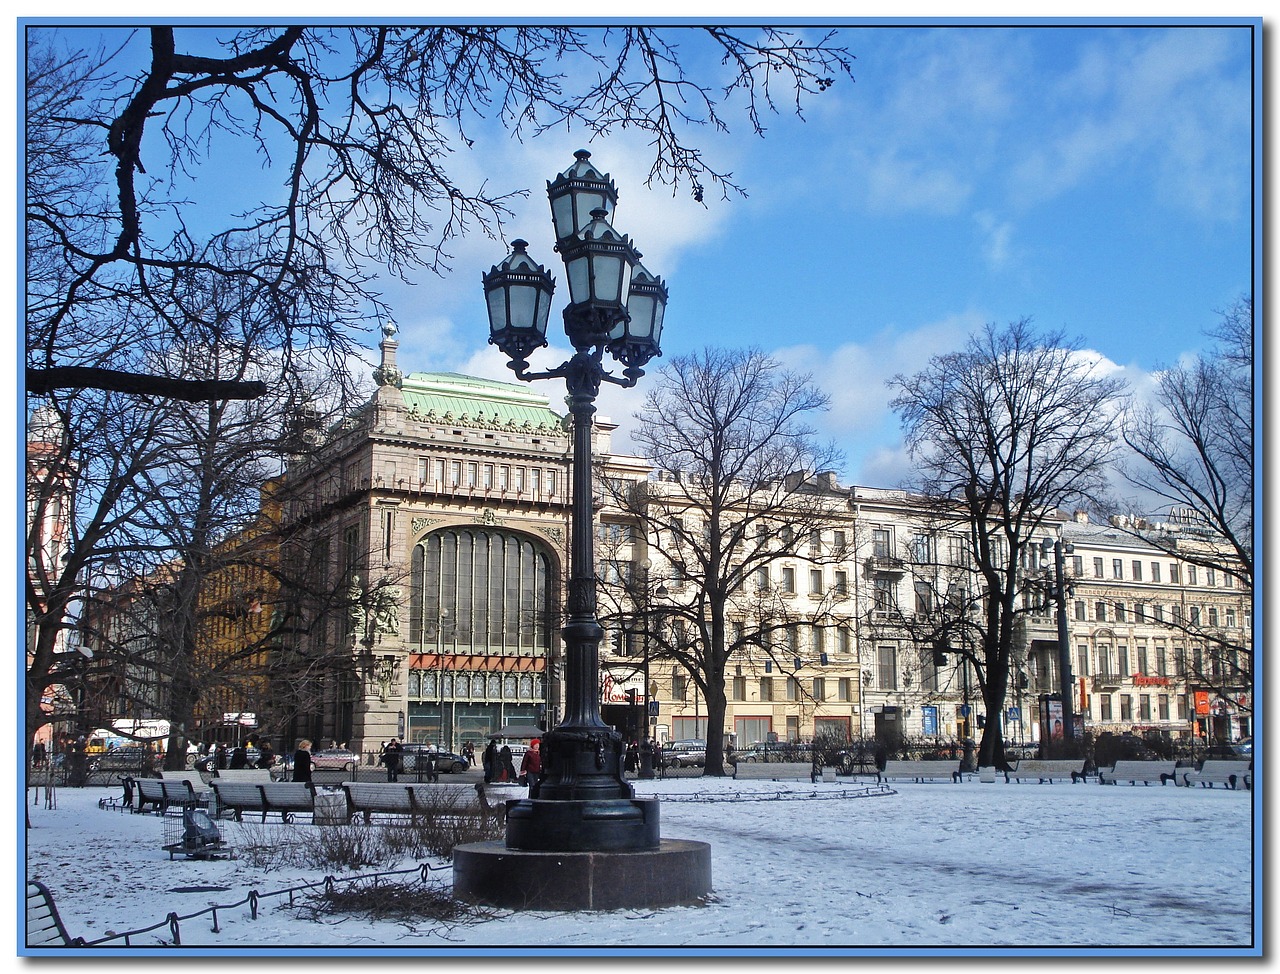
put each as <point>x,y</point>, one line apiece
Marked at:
<point>356,126</point>
<point>742,481</point>
<point>1005,432</point>
<point>1193,449</point>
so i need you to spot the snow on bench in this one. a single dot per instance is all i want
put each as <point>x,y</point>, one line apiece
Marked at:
<point>1230,774</point>
<point>773,770</point>
<point>1047,770</point>
<point>919,771</point>
<point>1135,771</point>
<point>193,778</point>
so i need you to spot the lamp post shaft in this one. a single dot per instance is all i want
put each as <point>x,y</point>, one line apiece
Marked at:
<point>1064,646</point>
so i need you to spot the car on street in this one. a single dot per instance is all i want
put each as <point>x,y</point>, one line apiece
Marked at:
<point>329,759</point>
<point>772,752</point>
<point>684,754</point>
<point>446,762</point>
<point>116,759</point>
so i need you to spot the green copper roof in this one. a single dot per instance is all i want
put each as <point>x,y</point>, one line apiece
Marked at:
<point>469,400</point>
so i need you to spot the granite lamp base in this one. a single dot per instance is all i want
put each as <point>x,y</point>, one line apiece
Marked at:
<point>676,873</point>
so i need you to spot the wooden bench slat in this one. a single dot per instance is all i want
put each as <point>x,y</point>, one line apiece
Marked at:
<point>1214,771</point>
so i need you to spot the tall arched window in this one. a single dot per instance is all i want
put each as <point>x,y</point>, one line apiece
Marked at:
<point>479,591</point>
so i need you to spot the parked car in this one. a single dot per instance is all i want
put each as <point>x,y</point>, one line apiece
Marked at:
<point>116,759</point>
<point>684,754</point>
<point>330,759</point>
<point>773,752</point>
<point>446,762</point>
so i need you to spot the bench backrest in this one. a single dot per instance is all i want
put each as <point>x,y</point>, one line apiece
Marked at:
<point>152,789</point>
<point>927,767</point>
<point>378,797</point>
<point>238,794</point>
<point>1060,766</point>
<point>177,791</point>
<point>260,775</point>
<point>443,797</point>
<point>1144,767</point>
<point>192,778</point>
<point>44,926</point>
<point>1223,766</point>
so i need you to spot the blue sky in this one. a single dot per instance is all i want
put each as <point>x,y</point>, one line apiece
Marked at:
<point>1096,179</point>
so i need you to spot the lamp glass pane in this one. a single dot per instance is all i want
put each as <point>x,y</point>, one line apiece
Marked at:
<point>640,307</point>
<point>588,201</point>
<point>607,278</point>
<point>579,272</point>
<point>524,306</point>
<point>562,216</point>
<point>657,324</point>
<point>497,299</point>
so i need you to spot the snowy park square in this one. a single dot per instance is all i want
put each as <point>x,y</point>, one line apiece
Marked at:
<point>829,867</point>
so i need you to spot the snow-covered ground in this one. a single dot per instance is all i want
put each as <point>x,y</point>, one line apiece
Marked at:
<point>954,867</point>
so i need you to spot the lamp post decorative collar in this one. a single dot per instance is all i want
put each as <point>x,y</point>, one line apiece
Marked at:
<point>582,802</point>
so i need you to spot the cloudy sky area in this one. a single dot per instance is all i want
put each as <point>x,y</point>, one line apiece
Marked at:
<point>1096,179</point>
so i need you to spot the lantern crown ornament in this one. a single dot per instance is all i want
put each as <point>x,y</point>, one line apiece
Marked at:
<point>576,193</point>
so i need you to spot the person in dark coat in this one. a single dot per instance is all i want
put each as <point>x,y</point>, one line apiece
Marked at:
<point>393,757</point>
<point>632,760</point>
<point>266,756</point>
<point>219,757</point>
<point>302,761</point>
<point>490,760</point>
<point>239,759</point>
<point>508,768</point>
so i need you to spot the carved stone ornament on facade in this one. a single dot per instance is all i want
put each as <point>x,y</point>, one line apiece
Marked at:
<point>388,375</point>
<point>488,516</point>
<point>418,523</point>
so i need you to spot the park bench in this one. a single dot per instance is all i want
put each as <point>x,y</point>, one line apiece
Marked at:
<point>1135,771</point>
<point>284,797</point>
<point>252,775</point>
<point>161,793</point>
<point>1229,774</point>
<point>773,770</point>
<point>919,771</point>
<point>1034,769</point>
<point>414,800</point>
<point>44,926</point>
<point>198,785</point>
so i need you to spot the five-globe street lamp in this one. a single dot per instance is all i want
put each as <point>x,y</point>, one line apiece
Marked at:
<point>582,802</point>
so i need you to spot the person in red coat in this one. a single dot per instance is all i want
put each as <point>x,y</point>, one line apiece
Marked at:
<point>531,766</point>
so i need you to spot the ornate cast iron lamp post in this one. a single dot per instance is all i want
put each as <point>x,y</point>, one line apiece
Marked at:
<point>581,840</point>
<point>615,305</point>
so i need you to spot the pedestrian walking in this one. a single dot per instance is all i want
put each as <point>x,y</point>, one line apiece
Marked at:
<point>507,765</point>
<point>490,759</point>
<point>632,760</point>
<point>531,767</point>
<point>302,761</point>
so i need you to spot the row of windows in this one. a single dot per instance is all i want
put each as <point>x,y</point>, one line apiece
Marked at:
<point>1195,615</point>
<point>462,685</point>
<point>1103,707</point>
<point>1211,575</point>
<point>792,688</point>
<point>487,476</point>
<point>1155,661</point>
